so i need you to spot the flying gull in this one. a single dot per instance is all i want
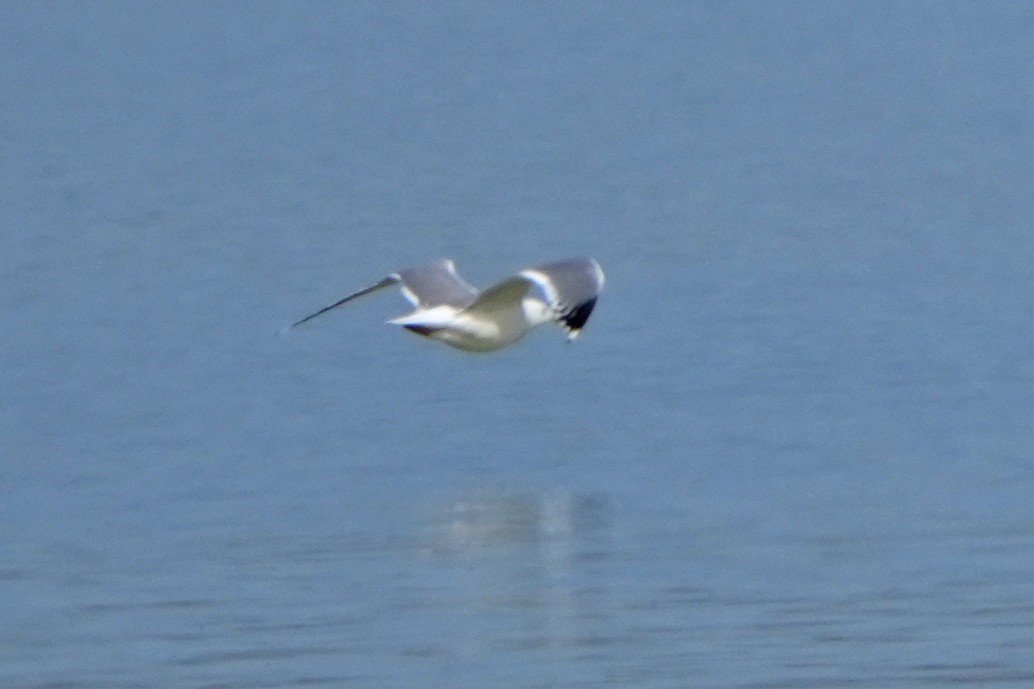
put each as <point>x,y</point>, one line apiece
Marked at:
<point>449,310</point>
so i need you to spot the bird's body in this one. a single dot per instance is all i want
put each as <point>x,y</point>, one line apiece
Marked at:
<point>451,311</point>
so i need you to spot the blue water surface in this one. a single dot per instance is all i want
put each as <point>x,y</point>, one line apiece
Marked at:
<point>793,447</point>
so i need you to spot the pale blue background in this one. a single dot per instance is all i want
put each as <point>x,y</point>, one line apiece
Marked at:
<point>793,447</point>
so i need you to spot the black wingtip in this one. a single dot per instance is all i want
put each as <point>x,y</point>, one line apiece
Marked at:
<point>575,318</point>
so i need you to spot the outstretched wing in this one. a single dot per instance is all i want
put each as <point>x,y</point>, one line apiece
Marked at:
<point>436,283</point>
<point>390,280</point>
<point>570,288</point>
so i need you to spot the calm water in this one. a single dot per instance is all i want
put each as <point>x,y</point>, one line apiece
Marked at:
<point>794,447</point>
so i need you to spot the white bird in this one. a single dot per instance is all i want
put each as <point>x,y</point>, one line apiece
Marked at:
<point>451,311</point>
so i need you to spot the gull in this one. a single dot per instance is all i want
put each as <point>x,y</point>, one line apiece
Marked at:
<point>451,311</point>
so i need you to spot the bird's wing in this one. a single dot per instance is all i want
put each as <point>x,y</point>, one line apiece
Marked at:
<point>436,283</point>
<point>570,288</point>
<point>428,285</point>
<point>390,280</point>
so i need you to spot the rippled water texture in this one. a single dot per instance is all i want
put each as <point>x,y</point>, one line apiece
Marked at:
<point>792,448</point>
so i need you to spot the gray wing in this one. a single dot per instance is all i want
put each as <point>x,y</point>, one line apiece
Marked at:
<point>430,284</point>
<point>390,280</point>
<point>436,283</point>
<point>570,288</point>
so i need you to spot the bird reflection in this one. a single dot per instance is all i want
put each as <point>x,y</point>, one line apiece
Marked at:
<point>485,519</point>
